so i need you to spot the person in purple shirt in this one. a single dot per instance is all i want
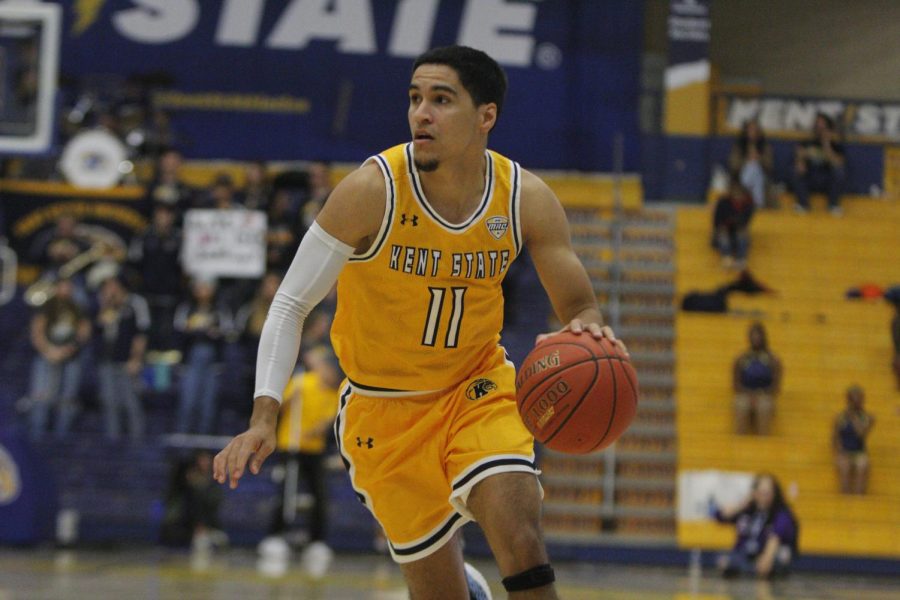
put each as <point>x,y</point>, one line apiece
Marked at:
<point>767,532</point>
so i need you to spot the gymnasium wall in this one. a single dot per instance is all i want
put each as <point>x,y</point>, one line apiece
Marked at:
<point>810,47</point>
<point>804,53</point>
<point>308,79</point>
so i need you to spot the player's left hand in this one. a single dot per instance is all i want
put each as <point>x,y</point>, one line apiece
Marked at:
<point>578,327</point>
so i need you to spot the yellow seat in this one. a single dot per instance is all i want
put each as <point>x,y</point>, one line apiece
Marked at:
<point>825,342</point>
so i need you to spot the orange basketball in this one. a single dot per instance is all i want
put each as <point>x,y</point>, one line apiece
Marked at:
<point>576,394</point>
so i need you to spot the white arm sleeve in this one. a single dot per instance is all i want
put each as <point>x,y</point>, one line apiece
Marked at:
<point>313,273</point>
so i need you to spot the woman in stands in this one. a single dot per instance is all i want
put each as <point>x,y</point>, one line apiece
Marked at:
<point>767,532</point>
<point>851,428</point>
<point>756,380</point>
<point>751,160</point>
<point>731,224</point>
<point>59,331</point>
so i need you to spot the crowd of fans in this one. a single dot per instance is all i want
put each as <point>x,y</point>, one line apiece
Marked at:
<point>127,311</point>
<point>139,300</point>
<point>818,165</point>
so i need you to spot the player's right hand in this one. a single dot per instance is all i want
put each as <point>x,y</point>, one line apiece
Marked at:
<point>258,441</point>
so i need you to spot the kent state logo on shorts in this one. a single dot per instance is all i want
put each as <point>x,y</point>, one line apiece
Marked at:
<point>480,388</point>
<point>10,486</point>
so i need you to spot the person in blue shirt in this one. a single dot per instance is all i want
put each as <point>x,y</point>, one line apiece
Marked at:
<point>851,428</point>
<point>756,381</point>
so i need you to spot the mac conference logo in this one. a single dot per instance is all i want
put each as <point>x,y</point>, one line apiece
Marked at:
<point>480,388</point>
<point>497,226</point>
<point>10,484</point>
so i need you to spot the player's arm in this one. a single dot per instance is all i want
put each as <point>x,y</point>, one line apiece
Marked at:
<point>348,222</point>
<point>546,234</point>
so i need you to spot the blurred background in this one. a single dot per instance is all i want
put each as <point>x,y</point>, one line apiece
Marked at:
<point>731,172</point>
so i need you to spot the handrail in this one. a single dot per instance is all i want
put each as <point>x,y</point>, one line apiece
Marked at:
<point>8,271</point>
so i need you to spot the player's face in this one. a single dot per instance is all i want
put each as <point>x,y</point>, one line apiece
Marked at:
<point>443,118</point>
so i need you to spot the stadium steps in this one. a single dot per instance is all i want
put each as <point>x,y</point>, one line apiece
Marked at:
<point>642,463</point>
<point>825,342</point>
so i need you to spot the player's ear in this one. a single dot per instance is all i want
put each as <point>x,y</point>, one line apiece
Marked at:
<point>488,116</point>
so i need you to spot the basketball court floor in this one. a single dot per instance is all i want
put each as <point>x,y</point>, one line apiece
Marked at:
<point>154,573</point>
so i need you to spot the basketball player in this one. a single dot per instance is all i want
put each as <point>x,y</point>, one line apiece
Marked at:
<point>418,240</point>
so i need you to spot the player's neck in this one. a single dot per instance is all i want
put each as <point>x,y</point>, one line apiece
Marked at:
<point>456,185</point>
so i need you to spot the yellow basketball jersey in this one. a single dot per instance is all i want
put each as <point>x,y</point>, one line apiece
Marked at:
<point>423,305</point>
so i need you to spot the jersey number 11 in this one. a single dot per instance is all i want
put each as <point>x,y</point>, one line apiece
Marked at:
<point>433,318</point>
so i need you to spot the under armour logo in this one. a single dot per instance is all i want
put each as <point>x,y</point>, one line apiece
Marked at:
<point>414,219</point>
<point>369,442</point>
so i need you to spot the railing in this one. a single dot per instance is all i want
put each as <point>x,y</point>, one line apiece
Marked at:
<point>8,271</point>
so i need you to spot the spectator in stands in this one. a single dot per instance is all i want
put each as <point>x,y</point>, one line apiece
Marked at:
<point>284,232</point>
<point>167,186</point>
<point>819,166</point>
<point>192,505</point>
<point>257,188</point>
<point>319,188</point>
<point>248,323</point>
<point>158,134</point>
<point>71,247</point>
<point>851,428</point>
<point>251,316</point>
<point>317,328</point>
<point>155,257</point>
<point>59,331</point>
<point>756,381</point>
<point>731,224</point>
<point>307,415</point>
<point>222,193</point>
<point>121,328</point>
<point>767,532</point>
<point>55,247</point>
<point>751,159</point>
<point>201,325</point>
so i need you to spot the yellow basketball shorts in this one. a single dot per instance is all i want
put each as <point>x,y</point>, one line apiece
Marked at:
<point>413,460</point>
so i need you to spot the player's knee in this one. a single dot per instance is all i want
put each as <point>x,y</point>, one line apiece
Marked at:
<point>523,546</point>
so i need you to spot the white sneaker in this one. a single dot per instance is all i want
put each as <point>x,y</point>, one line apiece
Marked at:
<point>316,559</point>
<point>478,585</point>
<point>837,211</point>
<point>274,547</point>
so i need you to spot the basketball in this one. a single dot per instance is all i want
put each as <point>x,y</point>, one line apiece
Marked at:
<point>576,394</point>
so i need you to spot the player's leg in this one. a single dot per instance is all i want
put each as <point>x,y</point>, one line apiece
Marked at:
<point>439,575</point>
<point>492,473</point>
<point>508,509</point>
<point>393,449</point>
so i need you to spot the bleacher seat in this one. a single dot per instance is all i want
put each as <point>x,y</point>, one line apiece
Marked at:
<point>825,341</point>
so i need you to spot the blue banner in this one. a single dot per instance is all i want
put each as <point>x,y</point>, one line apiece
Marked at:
<point>28,496</point>
<point>307,79</point>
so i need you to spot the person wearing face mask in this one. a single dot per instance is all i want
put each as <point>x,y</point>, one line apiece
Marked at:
<point>767,532</point>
